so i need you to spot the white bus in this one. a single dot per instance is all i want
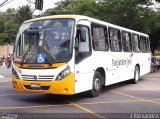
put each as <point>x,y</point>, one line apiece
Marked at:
<point>69,54</point>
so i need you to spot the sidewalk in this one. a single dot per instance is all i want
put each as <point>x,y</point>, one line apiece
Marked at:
<point>5,73</point>
<point>1,76</point>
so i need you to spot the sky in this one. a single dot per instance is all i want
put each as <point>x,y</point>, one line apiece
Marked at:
<point>47,4</point>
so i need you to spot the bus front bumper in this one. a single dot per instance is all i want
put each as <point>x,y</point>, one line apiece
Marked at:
<point>64,86</point>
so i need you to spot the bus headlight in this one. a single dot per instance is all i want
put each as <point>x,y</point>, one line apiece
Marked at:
<point>14,73</point>
<point>63,73</point>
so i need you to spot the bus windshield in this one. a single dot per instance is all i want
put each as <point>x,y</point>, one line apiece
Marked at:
<point>45,41</point>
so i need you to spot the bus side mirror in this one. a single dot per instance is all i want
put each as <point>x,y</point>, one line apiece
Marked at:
<point>82,33</point>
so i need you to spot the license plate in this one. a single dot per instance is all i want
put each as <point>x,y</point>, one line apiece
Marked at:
<point>35,86</point>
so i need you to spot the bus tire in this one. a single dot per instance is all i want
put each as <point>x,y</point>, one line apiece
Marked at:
<point>136,78</point>
<point>96,86</point>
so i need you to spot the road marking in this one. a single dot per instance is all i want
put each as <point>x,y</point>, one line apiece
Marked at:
<point>152,101</point>
<point>5,81</point>
<point>113,102</point>
<point>155,99</point>
<point>70,104</point>
<point>151,88</point>
<point>5,86</point>
<point>37,106</point>
<point>109,102</point>
<point>127,95</point>
<point>13,94</point>
<point>153,79</point>
<point>7,95</point>
<point>87,110</point>
<point>144,100</point>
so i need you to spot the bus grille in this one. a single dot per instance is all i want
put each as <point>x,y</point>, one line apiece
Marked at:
<point>42,87</point>
<point>43,77</point>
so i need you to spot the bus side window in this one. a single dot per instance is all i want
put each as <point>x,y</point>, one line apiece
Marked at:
<point>100,41</point>
<point>143,44</point>
<point>126,42</point>
<point>84,46</point>
<point>114,39</point>
<point>148,45</point>
<point>135,43</point>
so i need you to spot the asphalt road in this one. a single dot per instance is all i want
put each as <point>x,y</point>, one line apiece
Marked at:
<point>122,100</point>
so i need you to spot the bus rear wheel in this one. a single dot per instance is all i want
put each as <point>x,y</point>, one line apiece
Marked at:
<point>96,86</point>
<point>136,78</point>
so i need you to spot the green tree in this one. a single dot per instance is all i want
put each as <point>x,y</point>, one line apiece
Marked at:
<point>11,10</point>
<point>23,13</point>
<point>132,14</point>
<point>2,24</point>
<point>82,7</point>
<point>8,24</point>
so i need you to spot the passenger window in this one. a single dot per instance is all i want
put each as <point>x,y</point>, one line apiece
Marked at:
<point>148,45</point>
<point>100,41</point>
<point>126,41</point>
<point>135,43</point>
<point>143,44</point>
<point>114,39</point>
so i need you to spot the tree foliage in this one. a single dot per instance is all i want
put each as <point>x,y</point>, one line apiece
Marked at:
<point>132,14</point>
<point>23,13</point>
<point>83,7</point>
<point>11,20</point>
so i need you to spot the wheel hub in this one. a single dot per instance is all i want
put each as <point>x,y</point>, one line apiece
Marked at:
<point>97,84</point>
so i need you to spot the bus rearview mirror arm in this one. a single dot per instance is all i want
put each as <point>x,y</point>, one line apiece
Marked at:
<point>76,44</point>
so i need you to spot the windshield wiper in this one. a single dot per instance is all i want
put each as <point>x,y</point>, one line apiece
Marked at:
<point>24,56</point>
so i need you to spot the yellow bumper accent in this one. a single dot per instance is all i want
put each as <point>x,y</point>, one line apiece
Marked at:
<point>40,66</point>
<point>64,86</point>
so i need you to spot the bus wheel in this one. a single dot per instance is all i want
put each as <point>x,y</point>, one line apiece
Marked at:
<point>97,85</point>
<point>136,75</point>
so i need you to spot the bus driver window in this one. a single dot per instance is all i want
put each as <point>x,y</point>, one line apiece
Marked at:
<point>82,43</point>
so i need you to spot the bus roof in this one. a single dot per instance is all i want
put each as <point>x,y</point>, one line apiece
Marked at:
<point>79,17</point>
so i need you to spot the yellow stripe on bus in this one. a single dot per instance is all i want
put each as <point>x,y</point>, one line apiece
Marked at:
<point>40,66</point>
